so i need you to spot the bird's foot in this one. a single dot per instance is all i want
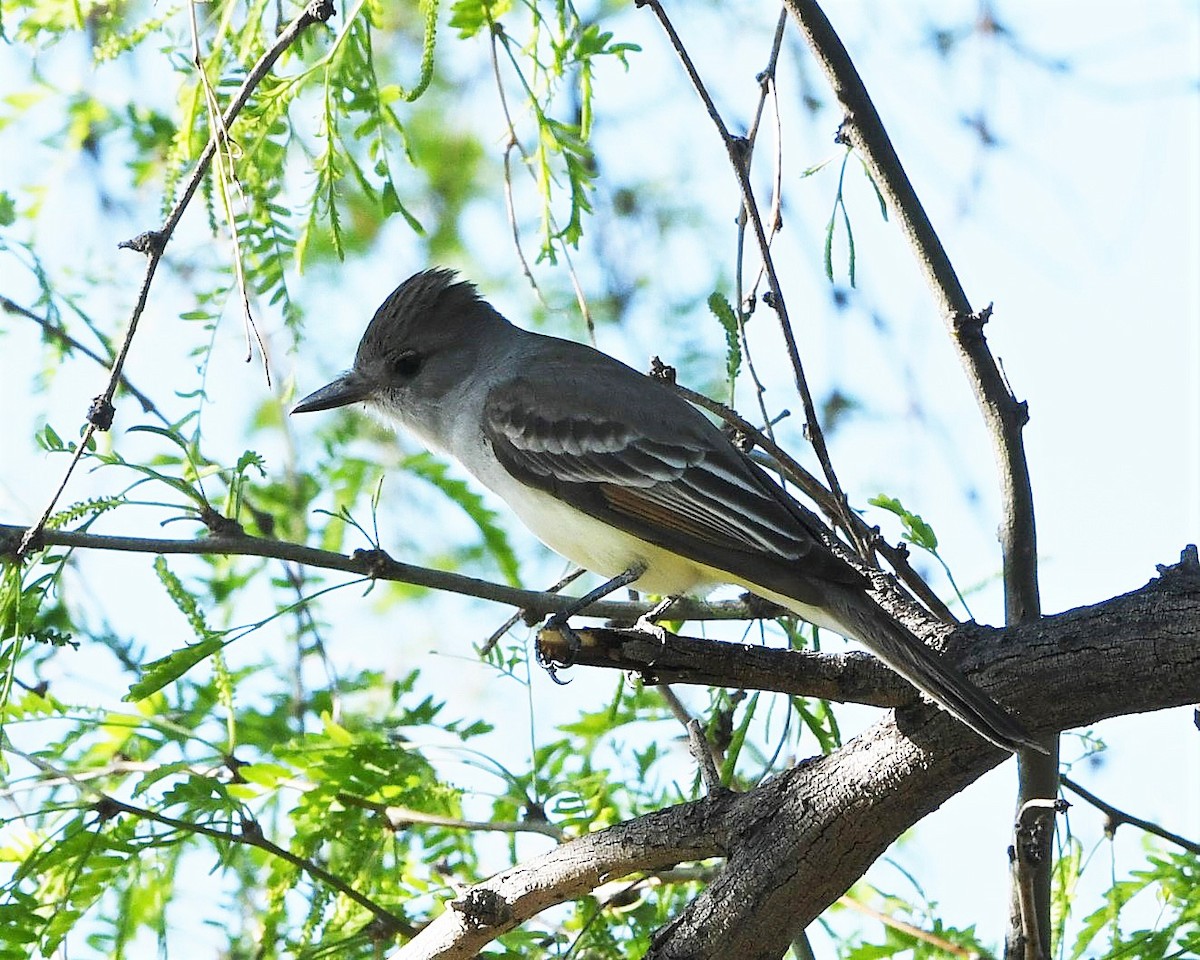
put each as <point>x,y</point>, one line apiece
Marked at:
<point>565,653</point>
<point>645,625</point>
<point>648,621</point>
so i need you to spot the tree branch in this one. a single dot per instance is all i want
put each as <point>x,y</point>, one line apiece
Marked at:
<point>690,831</point>
<point>1035,820</point>
<point>798,841</point>
<point>60,334</point>
<point>367,563</point>
<point>670,658</point>
<point>897,557</point>
<point>400,818</point>
<point>734,147</point>
<point>1115,817</point>
<point>153,243</point>
<point>1003,414</point>
<point>248,834</point>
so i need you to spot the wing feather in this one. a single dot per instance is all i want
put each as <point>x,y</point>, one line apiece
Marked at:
<point>663,473</point>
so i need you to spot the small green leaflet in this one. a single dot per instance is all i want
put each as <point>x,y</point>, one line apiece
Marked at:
<point>170,668</point>
<point>917,531</point>
<point>723,311</point>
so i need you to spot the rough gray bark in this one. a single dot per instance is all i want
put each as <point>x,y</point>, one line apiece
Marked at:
<point>797,842</point>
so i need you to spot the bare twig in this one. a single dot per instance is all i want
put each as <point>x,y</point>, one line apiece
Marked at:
<point>307,626</point>
<point>939,943</point>
<point>677,707</point>
<point>373,564</point>
<point>225,158</point>
<point>766,86</point>
<point>512,141</point>
<point>1115,817</point>
<point>490,643</point>
<point>734,148</point>
<point>60,334</point>
<point>1034,821</point>
<point>400,817</point>
<point>1004,415</point>
<point>153,244</point>
<point>701,752</point>
<point>897,557</point>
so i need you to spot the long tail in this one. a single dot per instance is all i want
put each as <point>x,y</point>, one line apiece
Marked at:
<point>930,673</point>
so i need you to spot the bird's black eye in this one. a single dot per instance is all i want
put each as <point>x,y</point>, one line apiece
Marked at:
<point>406,363</point>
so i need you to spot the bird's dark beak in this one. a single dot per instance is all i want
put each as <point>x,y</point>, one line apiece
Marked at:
<point>349,388</point>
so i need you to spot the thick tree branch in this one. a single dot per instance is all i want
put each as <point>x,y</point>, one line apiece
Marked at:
<point>797,842</point>
<point>847,678</point>
<point>691,831</point>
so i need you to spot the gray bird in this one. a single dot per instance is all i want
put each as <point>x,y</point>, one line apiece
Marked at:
<point>615,471</point>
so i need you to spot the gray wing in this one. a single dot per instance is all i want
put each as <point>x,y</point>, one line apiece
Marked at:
<point>656,468</point>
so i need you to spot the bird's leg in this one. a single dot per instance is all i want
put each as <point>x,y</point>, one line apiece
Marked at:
<point>559,620</point>
<point>623,579</point>
<point>648,621</point>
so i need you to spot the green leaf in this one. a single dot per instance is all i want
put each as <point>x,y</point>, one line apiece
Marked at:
<point>920,534</point>
<point>471,16</point>
<point>158,673</point>
<point>186,602</point>
<point>428,41</point>
<point>738,741</point>
<point>51,440</point>
<point>723,311</point>
<point>917,531</point>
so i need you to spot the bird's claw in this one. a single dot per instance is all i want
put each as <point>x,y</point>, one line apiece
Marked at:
<point>560,625</point>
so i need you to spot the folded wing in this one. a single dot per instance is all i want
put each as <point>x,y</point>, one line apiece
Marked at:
<point>659,471</point>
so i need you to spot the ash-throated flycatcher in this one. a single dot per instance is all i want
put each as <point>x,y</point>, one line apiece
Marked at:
<point>615,471</point>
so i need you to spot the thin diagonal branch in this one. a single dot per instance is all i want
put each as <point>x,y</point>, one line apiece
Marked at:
<point>400,818</point>
<point>766,80</point>
<point>107,806</point>
<point>735,149</point>
<point>153,244</point>
<point>1003,414</point>
<point>812,488</point>
<point>60,334</point>
<point>1116,817</point>
<point>498,35</point>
